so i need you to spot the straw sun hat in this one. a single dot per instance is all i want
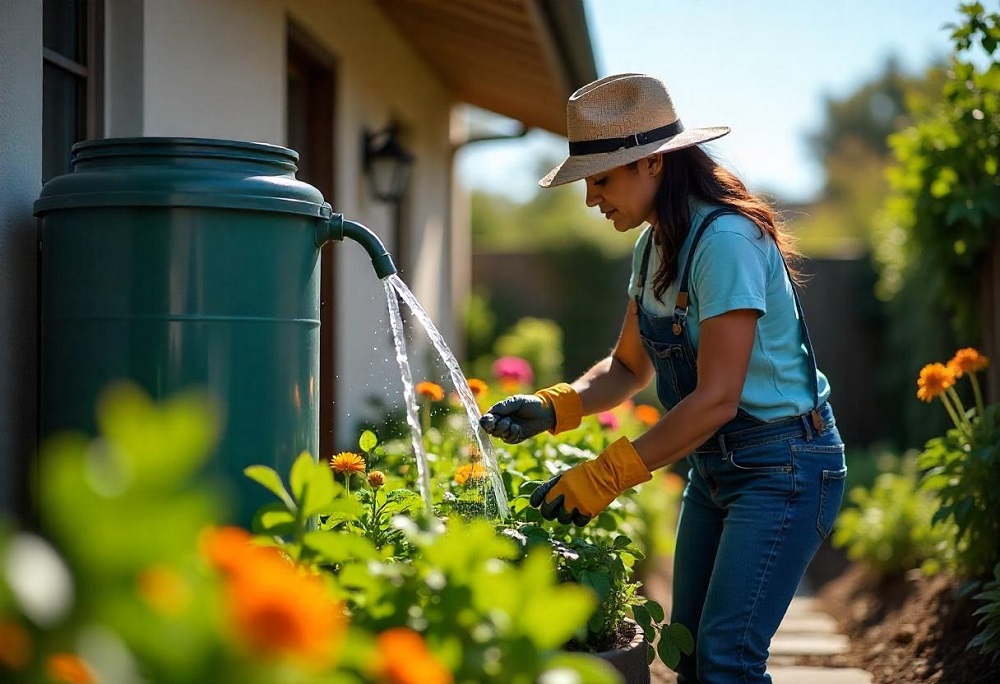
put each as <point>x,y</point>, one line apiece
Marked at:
<point>618,120</point>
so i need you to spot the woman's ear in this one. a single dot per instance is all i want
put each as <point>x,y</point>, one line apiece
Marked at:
<point>655,164</point>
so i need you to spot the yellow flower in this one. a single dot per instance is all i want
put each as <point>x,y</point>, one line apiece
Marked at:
<point>934,379</point>
<point>406,659</point>
<point>478,387</point>
<point>15,645</point>
<point>470,471</point>
<point>347,462</point>
<point>67,668</point>
<point>430,390</point>
<point>967,360</point>
<point>376,478</point>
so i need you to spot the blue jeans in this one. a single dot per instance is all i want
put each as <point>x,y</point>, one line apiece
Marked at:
<point>755,511</point>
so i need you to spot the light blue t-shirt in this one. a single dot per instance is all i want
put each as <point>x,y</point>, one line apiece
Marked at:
<point>735,267</point>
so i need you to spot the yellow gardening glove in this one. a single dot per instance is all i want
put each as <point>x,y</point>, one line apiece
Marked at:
<point>582,492</point>
<point>567,405</point>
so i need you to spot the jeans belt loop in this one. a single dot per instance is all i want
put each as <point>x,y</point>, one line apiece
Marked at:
<point>807,426</point>
<point>722,446</point>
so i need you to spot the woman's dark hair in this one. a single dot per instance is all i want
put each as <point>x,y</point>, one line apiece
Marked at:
<point>691,172</point>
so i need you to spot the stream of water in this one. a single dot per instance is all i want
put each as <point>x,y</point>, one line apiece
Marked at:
<point>409,398</point>
<point>494,486</point>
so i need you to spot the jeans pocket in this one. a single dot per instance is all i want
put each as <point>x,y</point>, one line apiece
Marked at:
<point>831,494</point>
<point>773,457</point>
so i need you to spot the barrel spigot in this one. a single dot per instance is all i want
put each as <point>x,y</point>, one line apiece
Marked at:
<point>337,228</point>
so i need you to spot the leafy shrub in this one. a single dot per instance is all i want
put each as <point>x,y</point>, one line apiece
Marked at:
<point>962,467</point>
<point>888,526</point>
<point>987,640</point>
<point>540,342</point>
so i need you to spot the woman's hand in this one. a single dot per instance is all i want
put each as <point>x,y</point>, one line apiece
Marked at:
<point>518,418</point>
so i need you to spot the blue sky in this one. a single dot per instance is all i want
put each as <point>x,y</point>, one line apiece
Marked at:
<point>763,67</point>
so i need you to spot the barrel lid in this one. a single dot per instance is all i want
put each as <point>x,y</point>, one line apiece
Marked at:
<point>182,172</point>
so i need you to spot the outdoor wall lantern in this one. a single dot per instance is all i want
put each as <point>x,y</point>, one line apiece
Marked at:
<point>387,164</point>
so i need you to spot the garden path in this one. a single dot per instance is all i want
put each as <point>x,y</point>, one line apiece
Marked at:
<point>806,631</point>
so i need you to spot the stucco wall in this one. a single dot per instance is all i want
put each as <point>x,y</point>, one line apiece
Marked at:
<point>20,181</point>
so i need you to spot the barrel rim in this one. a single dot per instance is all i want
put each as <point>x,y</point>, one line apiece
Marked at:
<point>151,142</point>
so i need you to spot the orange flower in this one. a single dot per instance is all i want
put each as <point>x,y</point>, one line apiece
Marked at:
<point>347,462</point>
<point>67,668</point>
<point>470,471</point>
<point>15,645</point>
<point>406,660</point>
<point>164,589</point>
<point>430,390</point>
<point>376,478</point>
<point>231,549</point>
<point>646,414</point>
<point>478,387</point>
<point>278,611</point>
<point>934,379</point>
<point>967,360</point>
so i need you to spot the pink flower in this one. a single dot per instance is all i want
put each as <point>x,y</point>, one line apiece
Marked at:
<point>608,420</point>
<point>513,368</point>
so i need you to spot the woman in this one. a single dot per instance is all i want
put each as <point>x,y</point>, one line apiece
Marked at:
<point>714,317</point>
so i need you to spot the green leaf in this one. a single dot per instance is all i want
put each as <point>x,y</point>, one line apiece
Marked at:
<point>367,441</point>
<point>669,653</point>
<point>655,610</point>
<point>680,636</point>
<point>645,621</point>
<point>599,581</point>
<point>299,476</point>
<point>339,548</point>
<point>272,481</point>
<point>274,519</point>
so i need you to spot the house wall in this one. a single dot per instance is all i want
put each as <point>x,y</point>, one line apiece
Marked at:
<point>20,182</point>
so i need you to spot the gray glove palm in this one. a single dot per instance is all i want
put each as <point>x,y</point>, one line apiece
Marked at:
<point>518,418</point>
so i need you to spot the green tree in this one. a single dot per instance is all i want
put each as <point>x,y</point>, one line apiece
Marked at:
<point>944,211</point>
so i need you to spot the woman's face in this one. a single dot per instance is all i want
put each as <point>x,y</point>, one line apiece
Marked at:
<point>626,195</point>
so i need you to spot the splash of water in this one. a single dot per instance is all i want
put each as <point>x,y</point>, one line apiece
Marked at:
<point>461,386</point>
<point>409,397</point>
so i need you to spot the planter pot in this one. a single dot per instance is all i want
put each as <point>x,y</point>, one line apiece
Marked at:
<point>630,660</point>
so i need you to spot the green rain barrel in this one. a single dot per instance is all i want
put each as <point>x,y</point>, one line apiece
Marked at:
<point>183,263</point>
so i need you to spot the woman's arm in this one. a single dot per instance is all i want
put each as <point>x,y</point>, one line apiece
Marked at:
<point>619,376</point>
<point>726,342</point>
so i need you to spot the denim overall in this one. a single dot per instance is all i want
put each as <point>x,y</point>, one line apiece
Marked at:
<point>761,497</point>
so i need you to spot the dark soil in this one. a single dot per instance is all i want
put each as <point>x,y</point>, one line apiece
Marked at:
<point>908,631</point>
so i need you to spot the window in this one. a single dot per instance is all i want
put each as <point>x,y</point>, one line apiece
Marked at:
<point>72,83</point>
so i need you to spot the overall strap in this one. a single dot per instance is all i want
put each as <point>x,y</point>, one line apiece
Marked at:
<point>644,268</point>
<point>817,421</point>
<point>682,292</point>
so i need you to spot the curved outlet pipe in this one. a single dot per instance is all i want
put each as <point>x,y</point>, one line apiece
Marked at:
<point>337,228</point>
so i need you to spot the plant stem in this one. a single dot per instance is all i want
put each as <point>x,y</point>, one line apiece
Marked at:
<point>960,408</point>
<point>978,393</point>
<point>946,400</point>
